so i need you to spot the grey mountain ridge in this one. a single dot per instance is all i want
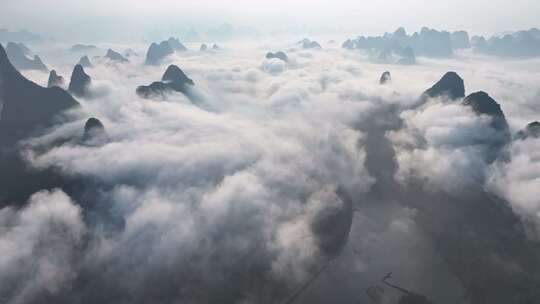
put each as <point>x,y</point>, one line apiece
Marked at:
<point>442,44</point>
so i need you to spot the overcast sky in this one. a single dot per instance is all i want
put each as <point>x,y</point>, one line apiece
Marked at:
<point>69,18</point>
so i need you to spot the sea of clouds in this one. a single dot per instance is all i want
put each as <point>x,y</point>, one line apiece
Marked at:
<point>234,197</point>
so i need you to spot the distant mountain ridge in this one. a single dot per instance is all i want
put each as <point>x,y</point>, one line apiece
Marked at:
<point>442,44</point>
<point>18,55</point>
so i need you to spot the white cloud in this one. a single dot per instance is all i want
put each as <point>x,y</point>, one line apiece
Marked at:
<point>39,246</point>
<point>518,180</point>
<point>227,190</point>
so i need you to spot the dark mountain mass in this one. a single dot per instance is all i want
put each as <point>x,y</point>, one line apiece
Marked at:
<point>55,80</point>
<point>203,47</point>
<point>94,131</point>
<point>386,77</point>
<point>532,130</point>
<point>83,48</point>
<point>26,105</point>
<point>28,109</point>
<point>158,52</point>
<point>17,54</point>
<point>80,81</point>
<point>174,80</point>
<point>450,85</point>
<point>278,55</point>
<point>176,45</point>
<point>483,104</point>
<point>85,62</point>
<point>115,56</point>
<point>215,47</point>
<point>93,124</point>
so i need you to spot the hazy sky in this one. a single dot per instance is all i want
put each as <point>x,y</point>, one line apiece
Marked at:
<point>68,18</point>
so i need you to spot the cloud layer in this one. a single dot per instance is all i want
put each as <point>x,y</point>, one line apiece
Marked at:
<point>244,195</point>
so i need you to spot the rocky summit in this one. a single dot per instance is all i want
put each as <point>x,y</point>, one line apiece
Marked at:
<point>173,80</point>
<point>80,81</point>
<point>450,85</point>
<point>55,80</point>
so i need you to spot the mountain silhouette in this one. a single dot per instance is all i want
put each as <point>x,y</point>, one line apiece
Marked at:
<point>80,81</point>
<point>450,85</point>
<point>308,44</point>
<point>26,105</point>
<point>521,44</point>
<point>176,45</point>
<point>115,56</point>
<point>17,54</point>
<point>532,130</point>
<point>483,104</point>
<point>174,80</point>
<point>85,62</point>
<point>427,42</point>
<point>94,131</point>
<point>279,55</point>
<point>55,80</point>
<point>385,78</point>
<point>158,52</point>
